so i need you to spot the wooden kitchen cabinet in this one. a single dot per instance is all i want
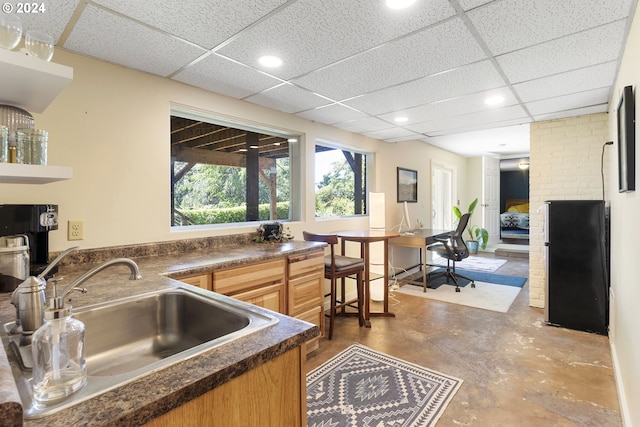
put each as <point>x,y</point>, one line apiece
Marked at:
<point>262,284</point>
<point>272,394</point>
<point>292,286</point>
<point>305,287</point>
<point>270,297</point>
<point>200,280</point>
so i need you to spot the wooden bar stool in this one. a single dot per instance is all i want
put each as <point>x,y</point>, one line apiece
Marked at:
<point>340,267</point>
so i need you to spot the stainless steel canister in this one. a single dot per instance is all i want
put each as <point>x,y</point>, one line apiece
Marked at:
<point>31,146</point>
<point>14,261</point>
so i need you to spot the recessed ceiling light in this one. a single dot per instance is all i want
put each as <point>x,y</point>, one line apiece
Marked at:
<point>401,119</point>
<point>242,150</point>
<point>399,4</point>
<point>292,140</point>
<point>494,100</point>
<point>253,146</point>
<point>270,61</point>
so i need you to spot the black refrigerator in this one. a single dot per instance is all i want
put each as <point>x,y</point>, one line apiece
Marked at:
<point>577,258</point>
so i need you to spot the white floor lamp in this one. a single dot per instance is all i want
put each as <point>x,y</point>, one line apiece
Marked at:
<point>377,222</point>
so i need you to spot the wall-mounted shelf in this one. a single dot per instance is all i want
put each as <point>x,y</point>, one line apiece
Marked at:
<point>31,83</point>
<point>12,173</point>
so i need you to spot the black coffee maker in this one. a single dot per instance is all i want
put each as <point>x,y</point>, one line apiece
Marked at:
<point>35,221</point>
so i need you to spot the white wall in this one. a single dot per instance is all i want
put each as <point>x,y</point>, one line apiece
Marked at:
<point>625,211</point>
<point>473,186</point>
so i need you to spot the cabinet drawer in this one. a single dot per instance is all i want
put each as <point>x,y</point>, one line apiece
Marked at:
<point>269,297</point>
<point>200,280</point>
<point>305,292</point>
<point>306,263</point>
<point>249,276</point>
<point>314,315</point>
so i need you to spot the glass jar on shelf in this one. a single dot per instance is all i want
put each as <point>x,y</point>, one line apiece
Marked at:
<point>4,144</point>
<point>31,146</point>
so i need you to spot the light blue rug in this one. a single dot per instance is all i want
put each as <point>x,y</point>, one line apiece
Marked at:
<point>478,276</point>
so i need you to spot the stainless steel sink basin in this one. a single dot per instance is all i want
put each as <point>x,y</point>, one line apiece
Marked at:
<point>129,338</point>
<point>136,333</point>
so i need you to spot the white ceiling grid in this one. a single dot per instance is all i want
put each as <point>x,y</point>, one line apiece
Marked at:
<point>357,65</point>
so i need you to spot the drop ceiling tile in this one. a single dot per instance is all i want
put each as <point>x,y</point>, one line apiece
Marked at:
<point>112,38</point>
<point>581,50</point>
<point>569,102</point>
<point>452,107</point>
<point>288,98</point>
<point>410,137</point>
<point>598,76</point>
<point>391,133</point>
<point>206,23</point>
<point>364,124</point>
<point>309,34</point>
<point>469,120</point>
<point>482,126</point>
<point>513,24</point>
<point>573,52</point>
<point>502,140</point>
<point>220,75</point>
<point>573,113</point>
<point>54,19</point>
<point>331,114</point>
<point>472,4</point>
<point>436,49</point>
<point>471,78</point>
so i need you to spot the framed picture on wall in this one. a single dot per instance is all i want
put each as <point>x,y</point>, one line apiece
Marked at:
<point>407,185</point>
<point>626,141</point>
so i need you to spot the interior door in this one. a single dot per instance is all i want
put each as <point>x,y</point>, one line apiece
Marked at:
<point>491,197</point>
<point>443,188</point>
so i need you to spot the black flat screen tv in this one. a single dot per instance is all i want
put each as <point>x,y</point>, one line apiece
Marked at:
<point>626,141</point>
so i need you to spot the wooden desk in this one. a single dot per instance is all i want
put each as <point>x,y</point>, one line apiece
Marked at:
<point>420,239</point>
<point>365,237</point>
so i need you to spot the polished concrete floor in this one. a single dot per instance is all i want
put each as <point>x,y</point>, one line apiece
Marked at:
<point>517,371</point>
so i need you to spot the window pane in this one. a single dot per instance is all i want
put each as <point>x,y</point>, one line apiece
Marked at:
<point>225,174</point>
<point>340,182</point>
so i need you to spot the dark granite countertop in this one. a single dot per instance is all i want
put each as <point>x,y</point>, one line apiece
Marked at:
<point>142,400</point>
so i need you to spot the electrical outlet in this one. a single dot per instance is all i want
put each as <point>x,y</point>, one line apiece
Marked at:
<point>75,230</point>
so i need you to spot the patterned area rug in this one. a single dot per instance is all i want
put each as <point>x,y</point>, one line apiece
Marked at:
<point>364,388</point>
<point>476,263</point>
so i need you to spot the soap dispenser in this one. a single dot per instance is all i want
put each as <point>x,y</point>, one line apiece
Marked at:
<point>59,367</point>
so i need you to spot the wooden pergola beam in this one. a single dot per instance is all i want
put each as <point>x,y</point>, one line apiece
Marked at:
<point>198,155</point>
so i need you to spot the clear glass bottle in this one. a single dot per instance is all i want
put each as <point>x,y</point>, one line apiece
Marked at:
<point>59,367</point>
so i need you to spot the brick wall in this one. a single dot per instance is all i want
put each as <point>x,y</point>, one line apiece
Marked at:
<point>565,164</point>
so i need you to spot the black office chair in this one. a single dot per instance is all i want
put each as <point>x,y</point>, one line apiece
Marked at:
<point>454,249</point>
<point>340,267</point>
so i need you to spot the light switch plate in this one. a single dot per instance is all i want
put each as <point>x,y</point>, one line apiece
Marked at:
<point>75,230</point>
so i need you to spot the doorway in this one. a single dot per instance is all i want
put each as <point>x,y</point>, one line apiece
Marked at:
<point>443,195</point>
